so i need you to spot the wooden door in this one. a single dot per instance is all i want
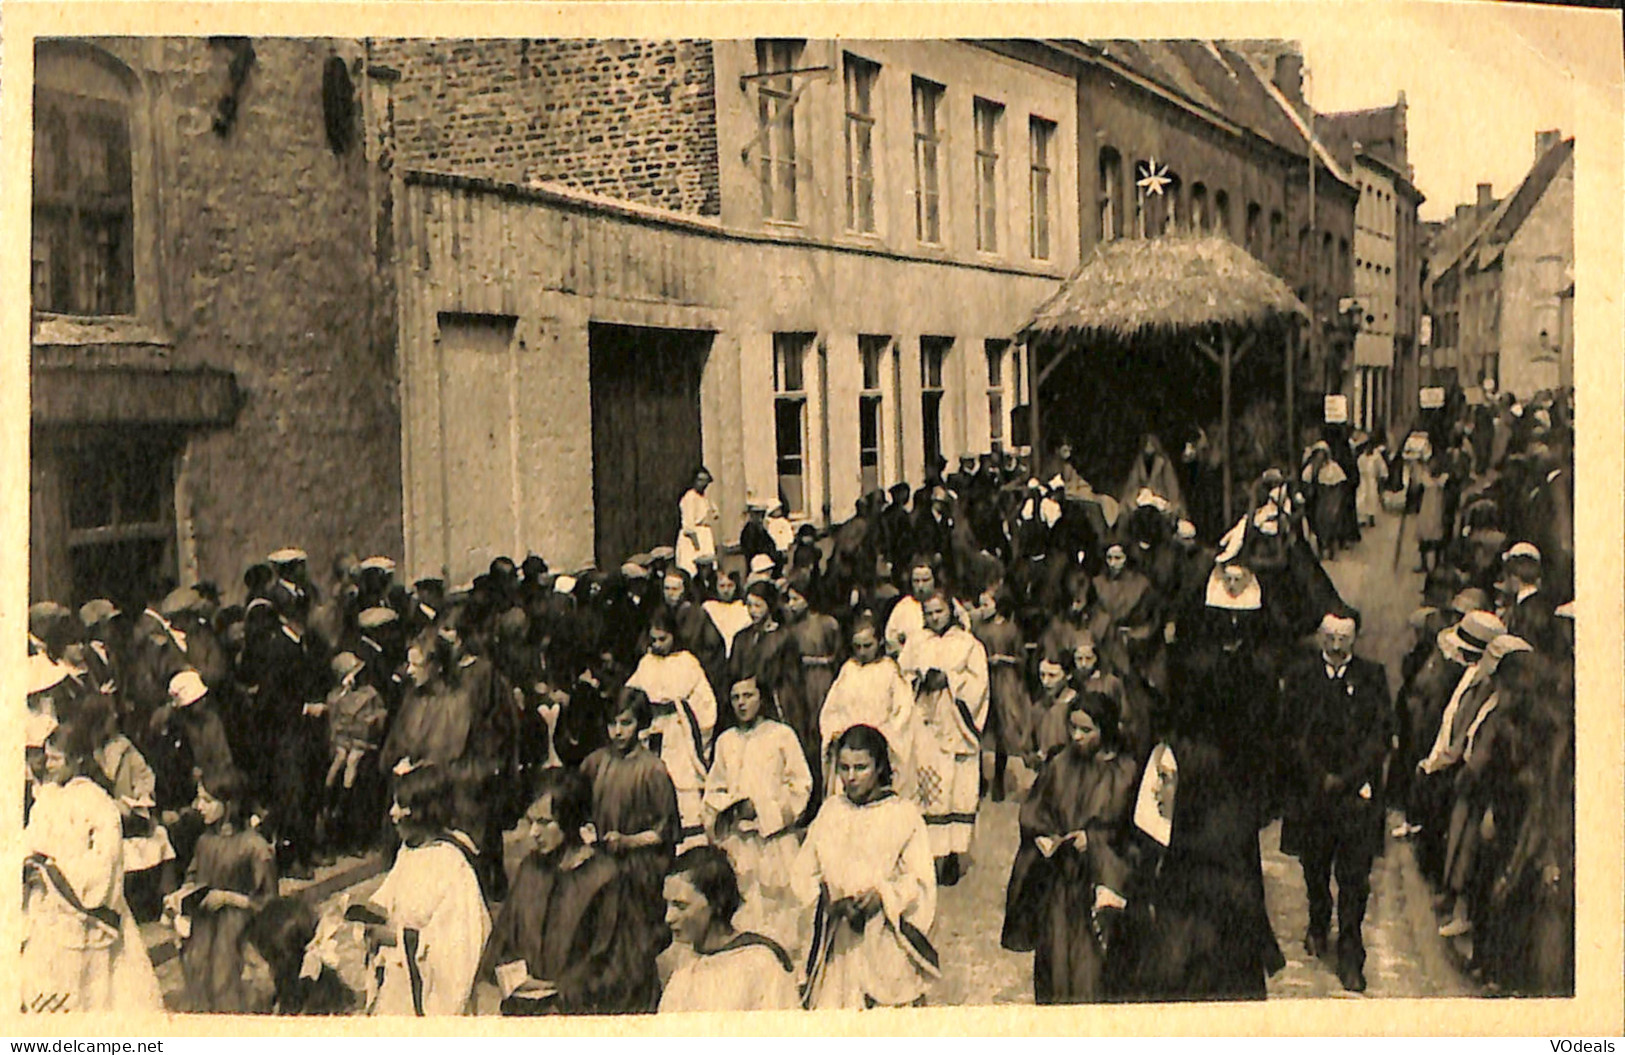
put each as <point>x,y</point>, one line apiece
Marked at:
<point>477,422</point>
<point>645,434</point>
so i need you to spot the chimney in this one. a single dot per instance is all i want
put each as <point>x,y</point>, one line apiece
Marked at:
<point>1289,77</point>
<point>1486,197</point>
<point>1545,141</point>
<point>1462,211</point>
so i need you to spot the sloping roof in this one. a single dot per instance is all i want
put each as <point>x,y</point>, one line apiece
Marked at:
<point>1488,241</point>
<point>1163,284</point>
<point>1222,78</point>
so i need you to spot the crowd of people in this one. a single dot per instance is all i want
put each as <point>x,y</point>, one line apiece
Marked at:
<point>742,778</point>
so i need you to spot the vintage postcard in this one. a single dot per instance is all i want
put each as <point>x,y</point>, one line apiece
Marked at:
<point>815,519</point>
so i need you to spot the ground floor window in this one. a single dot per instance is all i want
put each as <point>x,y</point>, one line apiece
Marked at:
<point>117,496</point>
<point>792,432</point>
<point>934,353</point>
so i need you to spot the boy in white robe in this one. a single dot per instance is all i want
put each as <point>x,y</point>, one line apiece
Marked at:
<point>948,668</point>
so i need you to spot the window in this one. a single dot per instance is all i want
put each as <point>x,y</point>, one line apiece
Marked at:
<point>1277,223</point>
<point>790,418</point>
<point>989,122</point>
<point>1201,218</point>
<point>83,237</point>
<point>1041,134</point>
<point>1142,223</point>
<point>121,513</point>
<point>1254,230</point>
<point>998,403</point>
<point>933,357</point>
<point>1168,202</point>
<point>1111,195</point>
<point>860,144</point>
<point>777,123</point>
<point>927,162</point>
<point>1221,213</point>
<point>872,410</point>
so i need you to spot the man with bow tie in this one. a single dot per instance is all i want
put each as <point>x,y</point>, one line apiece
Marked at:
<point>1341,720</point>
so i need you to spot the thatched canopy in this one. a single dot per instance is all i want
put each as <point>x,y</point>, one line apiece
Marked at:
<point>1163,285</point>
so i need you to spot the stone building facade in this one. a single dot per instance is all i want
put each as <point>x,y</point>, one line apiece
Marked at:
<point>212,362</point>
<point>1382,386</point>
<point>886,215</point>
<point>1503,294</point>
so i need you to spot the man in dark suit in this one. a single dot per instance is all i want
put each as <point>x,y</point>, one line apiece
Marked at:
<point>1341,722</point>
<point>1530,611</point>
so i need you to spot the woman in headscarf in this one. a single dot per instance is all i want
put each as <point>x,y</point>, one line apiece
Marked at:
<point>1126,619</point>
<point>1326,485</point>
<point>1154,470</point>
<point>698,517</point>
<point>1067,881</point>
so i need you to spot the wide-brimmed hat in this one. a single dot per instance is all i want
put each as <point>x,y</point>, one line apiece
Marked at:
<point>375,617</point>
<point>180,602</point>
<point>98,611</point>
<point>287,555</point>
<point>186,688</point>
<point>1472,634</point>
<point>45,673</point>
<point>383,564</point>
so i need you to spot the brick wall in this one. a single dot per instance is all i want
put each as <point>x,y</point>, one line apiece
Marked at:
<point>628,119</point>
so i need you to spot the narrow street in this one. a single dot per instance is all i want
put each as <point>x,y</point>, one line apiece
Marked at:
<point>1407,958</point>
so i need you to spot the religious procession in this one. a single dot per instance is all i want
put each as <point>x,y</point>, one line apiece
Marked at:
<point>560,526</point>
<point>745,788</point>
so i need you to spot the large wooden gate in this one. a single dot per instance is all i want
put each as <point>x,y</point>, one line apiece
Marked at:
<point>645,433</point>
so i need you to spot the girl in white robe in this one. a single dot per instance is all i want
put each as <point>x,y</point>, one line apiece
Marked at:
<point>867,865</point>
<point>758,786</point>
<point>81,948</point>
<point>869,690</point>
<point>728,968</point>
<point>948,668</point>
<point>696,537</point>
<point>428,921</point>
<point>685,716</point>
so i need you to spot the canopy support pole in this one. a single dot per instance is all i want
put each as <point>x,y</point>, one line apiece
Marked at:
<point>1227,356</point>
<point>1225,364</point>
<point>1291,388</point>
<point>1035,438</point>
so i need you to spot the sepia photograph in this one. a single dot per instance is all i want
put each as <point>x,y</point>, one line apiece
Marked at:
<point>588,524</point>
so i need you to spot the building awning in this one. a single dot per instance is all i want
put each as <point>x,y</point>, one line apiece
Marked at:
<point>194,397</point>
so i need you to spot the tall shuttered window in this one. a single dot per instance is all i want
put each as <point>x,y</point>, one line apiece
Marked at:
<point>927,161</point>
<point>1041,138</point>
<point>776,167</point>
<point>861,76</point>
